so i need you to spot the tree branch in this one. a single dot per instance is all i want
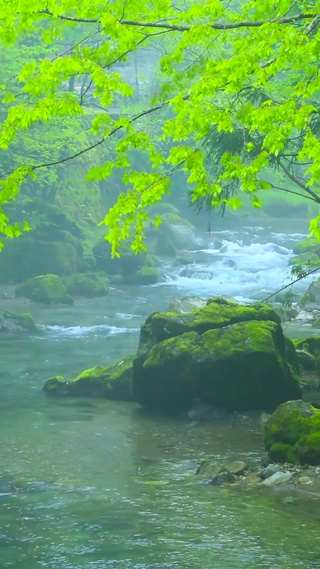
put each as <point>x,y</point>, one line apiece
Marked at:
<point>290,284</point>
<point>183,28</point>
<point>293,178</point>
<point>102,140</point>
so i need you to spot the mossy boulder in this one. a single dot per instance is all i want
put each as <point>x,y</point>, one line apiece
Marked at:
<point>23,258</point>
<point>48,289</point>
<point>110,382</point>
<point>88,285</point>
<point>145,276</point>
<point>240,366</point>
<point>17,322</point>
<point>292,433</point>
<point>127,265</point>
<point>159,243</point>
<point>181,233</point>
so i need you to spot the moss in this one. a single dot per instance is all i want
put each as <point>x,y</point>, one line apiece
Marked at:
<point>109,382</point>
<point>281,452</point>
<point>217,314</point>
<point>45,288</point>
<point>88,285</point>
<point>308,449</point>
<point>55,386</point>
<point>292,434</point>
<point>21,319</point>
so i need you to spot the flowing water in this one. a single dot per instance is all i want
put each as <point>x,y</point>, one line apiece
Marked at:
<point>87,484</point>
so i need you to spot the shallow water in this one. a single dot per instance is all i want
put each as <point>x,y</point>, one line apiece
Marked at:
<point>88,484</point>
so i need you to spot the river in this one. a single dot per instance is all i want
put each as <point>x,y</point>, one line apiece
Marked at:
<point>89,484</point>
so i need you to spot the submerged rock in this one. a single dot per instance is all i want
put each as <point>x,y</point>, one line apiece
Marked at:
<point>205,412</point>
<point>292,434</point>
<point>109,382</point>
<point>222,478</point>
<point>48,289</point>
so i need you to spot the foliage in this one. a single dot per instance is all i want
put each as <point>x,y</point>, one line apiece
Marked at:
<point>238,82</point>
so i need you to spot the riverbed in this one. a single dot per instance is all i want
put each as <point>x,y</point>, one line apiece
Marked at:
<point>89,484</point>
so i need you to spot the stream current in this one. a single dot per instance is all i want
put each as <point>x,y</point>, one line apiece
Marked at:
<point>88,484</point>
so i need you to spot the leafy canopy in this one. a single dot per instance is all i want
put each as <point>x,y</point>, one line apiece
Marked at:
<point>238,93</point>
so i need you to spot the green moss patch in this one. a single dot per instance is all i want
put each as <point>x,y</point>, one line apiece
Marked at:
<point>108,382</point>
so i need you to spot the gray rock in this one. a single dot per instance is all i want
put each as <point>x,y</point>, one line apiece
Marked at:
<point>278,478</point>
<point>269,471</point>
<point>186,304</point>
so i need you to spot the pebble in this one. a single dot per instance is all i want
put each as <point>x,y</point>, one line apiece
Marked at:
<point>269,471</point>
<point>305,480</point>
<point>238,467</point>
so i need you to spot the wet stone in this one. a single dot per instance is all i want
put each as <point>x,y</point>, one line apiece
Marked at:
<point>222,478</point>
<point>278,478</point>
<point>269,471</point>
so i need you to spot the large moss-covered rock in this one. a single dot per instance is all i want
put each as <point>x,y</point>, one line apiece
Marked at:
<point>218,313</point>
<point>128,265</point>
<point>179,231</point>
<point>292,433</point>
<point>48,289</point>
<point>110,382</point>
<point>239,366</point>
<point>23,258</point>
<point>88,285</point>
